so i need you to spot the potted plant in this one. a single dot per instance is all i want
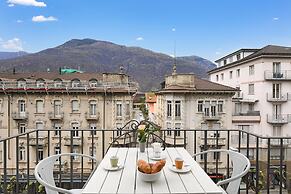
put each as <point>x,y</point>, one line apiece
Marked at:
<point>143,133</point>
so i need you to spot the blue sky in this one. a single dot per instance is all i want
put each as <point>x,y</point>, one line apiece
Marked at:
<point>207,28</point>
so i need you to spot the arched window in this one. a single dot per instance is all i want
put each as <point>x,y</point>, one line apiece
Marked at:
<point>76,83</point>
<point>40,83</point>
<point>21,83</point>
<point>58,83</point>
<point>93,83</point>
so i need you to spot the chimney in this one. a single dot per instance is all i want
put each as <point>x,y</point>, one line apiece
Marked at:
<point>60,71</point>
<point>48,70</point>
<point>14,70</point>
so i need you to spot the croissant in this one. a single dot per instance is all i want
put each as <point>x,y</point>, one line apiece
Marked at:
<point>158,166</point>
<point>144,166</point>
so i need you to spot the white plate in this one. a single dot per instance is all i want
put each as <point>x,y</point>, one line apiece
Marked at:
<point>185,169</point>
<point>162,157</point>
<point>110,168</point>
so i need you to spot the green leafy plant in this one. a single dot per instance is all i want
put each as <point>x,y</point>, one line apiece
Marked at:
<point>144,131</point>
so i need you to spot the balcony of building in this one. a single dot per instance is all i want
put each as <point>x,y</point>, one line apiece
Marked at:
<point>279,118</point>
<point>238,95</point>
<point>277,98</point>
<point>280,75</point>
<point>92,117</point>
<point>56,116</point>
<point>249,116</point>
<point>211,117</point>
<point>270,160</point>
<point>20,115</point>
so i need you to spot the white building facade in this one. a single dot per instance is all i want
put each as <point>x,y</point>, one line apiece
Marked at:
<point>263,76</point>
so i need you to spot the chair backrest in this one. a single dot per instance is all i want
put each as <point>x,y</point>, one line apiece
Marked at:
<point>45,169</point>
<point>240,167</point>
<point>44,172</point>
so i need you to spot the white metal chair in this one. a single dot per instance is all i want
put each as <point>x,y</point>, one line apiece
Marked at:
<point>44,174</point>
<point>240,167</point>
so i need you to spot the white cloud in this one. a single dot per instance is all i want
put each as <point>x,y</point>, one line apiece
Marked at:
<point>13,44</point>
<point>139,38</point>
<point>173,29</point>
<point>42,18</point>
<point>173,56</point>
<point>275,19</point>
<point>19,21</point>
<point>217,53</point>
<point>35,3</point>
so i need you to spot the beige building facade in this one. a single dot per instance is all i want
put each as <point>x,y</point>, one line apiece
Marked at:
<point>188,102</point>
<point>80,104</point>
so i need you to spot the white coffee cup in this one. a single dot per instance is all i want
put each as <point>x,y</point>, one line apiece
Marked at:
<point>157,150</point>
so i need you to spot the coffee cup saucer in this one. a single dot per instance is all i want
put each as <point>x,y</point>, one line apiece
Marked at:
<point>162,157</point>
<point>185,169</point>
<point>110,168</point>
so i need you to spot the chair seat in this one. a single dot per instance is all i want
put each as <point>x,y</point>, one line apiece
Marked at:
<point>76,191</point>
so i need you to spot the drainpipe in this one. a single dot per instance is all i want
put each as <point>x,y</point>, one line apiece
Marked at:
<point>9,121</point>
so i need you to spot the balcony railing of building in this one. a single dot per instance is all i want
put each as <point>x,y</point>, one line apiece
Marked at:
<point>20,115</point>
<point>93,117</point>
<point>279,118</point>
<point>277,98</point>
<point>20,154</point>
<point>238,95</point>
<point>56,116</point>
<point>211,117</point>
<point>64,85</point>
<point>281,75</point>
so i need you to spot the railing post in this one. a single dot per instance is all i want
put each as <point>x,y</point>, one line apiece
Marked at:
<point>268,165</point>
<point>27,163</point>
<point>205,148</point>
<point>281,164</point>
<point>257,164</point>
<point>17,164</point>
<point>5,166</point>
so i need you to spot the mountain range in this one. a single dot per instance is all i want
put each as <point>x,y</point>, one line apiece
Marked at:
<point>146,67</point>
<point>10,55</point>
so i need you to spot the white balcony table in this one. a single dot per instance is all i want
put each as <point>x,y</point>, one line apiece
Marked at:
<point>126,181</point>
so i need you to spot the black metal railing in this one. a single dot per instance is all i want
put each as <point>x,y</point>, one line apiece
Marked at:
<point>270,156</point>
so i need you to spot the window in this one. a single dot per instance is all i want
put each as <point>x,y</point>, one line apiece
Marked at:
<point>238,73</point>
<point>217,78</point>
<point>224,62</point>
<point>92,151</point>
<point>57,127</point>
<point>119,109</point>
<point>276,90</point>
<point>93,84</point>
<point>75,128</point>
<point>76,83</point>
<point>216,155</point>
<point>177,129</point>
<point>251,70</point>
<point>251,106</point>
<point>21,153</point>
<point>75,151</point>
<point>21,128</point>
<point>127,108</point>
<point>222,77</point>
<point>177,108</point>
<point>251,89</point>
<point>58,83</point>
<point>93,129</point>
<point>75,106</point>
<point>39,126</point>
<point>169,128</point>
<point>39,106</point>
<point>21,106</point>
<point>169,108</point>
<point>275,154</point>
<point>206,108</point>
<point>276,68</point>
<point>118,131</point>
<point>238,56</point>
<point>230,75</point>
<point>200,106</point>
<point>21,83</point>
<point>277,132</point>
<point>57,150</point>
<point>213,108</point>
<point>237,108</point>
<point>93,108</point>
<point>40,84</point>
<point>220,106</point>
<point>40,154</point>
<point>57,107</point>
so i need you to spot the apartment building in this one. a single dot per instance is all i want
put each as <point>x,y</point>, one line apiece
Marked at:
<point>53,101</point>
<point>188,102</point>
<point>262,106</point>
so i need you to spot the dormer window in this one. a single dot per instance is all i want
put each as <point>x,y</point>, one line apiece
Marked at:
<point>224,62</point>
<point>238,56</point>
<point>40,83</point>
<point>21,83</point>
<point>58,83</point>
<point>93,83</point>
<point>76,83</point>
